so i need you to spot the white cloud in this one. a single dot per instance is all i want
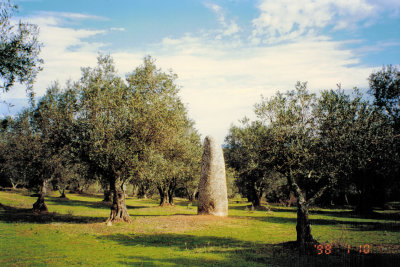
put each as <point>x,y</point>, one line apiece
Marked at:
<point>231,29</point>
<point>79,16</point>
<point>222,81</point>
<point>216,8</point>
<point>228,28</point>
<point>62,16</point>
<point>287,20</point>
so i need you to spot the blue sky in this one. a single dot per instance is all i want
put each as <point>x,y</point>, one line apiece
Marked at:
<point>226,53</point>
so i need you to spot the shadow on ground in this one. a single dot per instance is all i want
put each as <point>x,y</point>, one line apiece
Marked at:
<point>88,204</point>
<point>331,212</point>
<point>236,252</point>
<point>12,214</point>
<point>356,225</point>
<point>346,218</point>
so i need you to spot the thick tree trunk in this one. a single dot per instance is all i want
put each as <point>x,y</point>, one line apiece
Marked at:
<point>192,196</point>
<point>256,201</point>
<point>305,240</point>
<point>39,206</point>
<point>62,193</point>
<point>171,196</point>
<point>163,196</point>
<point>303,227</point>
<point>254,198</point>
<point>119,212</point>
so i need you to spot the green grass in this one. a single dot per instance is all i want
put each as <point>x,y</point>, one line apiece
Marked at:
<point>74,233</point>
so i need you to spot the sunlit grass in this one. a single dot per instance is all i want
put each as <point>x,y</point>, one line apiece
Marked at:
<point>74,233</point>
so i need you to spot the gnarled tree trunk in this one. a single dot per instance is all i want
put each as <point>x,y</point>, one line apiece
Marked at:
<point>163,196</point>
<point>39,206</point>
<point>305,239</point>
<point>119,212</point>
<point>62,193</point>
<point>171,198</point>
<point>171,191</point>
<point>303,227</point>
<point>254,197</point>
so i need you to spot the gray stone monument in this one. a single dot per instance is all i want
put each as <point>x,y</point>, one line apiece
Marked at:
<point>213,196</point>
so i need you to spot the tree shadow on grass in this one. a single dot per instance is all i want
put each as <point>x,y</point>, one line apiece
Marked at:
<point>356,225</point>
<point>332,212</point>
<point>350,216</point>
<point>341,213</point>
<point>353,214</point>
<point>235,252</point>
<point>12,215</point>
<point>275,208</point>
<point>245,206</point>
<point>77,203</point>
<point>88,204</point>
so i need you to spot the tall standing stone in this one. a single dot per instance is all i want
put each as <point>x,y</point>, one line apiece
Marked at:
<point>213,196</point>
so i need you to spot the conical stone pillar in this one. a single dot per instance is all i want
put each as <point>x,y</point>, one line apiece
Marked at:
<point>213,196</point>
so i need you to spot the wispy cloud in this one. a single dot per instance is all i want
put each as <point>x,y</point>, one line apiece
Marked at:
<point>221,74</point>
<point>221,81</point>
<point>62,16</point>
<point>228,28</point>
<point>288,20</point>
<point>390,7</point>
<point>117,29</point>
<point>379,46</point>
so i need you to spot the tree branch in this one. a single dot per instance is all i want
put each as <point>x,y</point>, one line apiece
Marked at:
<point>317,195</point>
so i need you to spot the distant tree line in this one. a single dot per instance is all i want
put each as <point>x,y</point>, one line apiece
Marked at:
<point>332,148</point>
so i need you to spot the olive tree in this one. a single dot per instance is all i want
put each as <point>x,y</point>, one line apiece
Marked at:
<point>16,154</point>
<point>245,153</point>
<point>169,141</point>
<point>385,87</point>
<point>127,131</point>
<point>19,50</point>
<point>105,126</point>
<point>294,150</point>
<point>51,117</point>
<point>357,147</point>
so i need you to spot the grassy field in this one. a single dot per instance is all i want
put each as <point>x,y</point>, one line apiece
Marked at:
<point>74,233</point>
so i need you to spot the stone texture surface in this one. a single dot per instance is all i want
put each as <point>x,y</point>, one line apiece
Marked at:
<point>213,196</point>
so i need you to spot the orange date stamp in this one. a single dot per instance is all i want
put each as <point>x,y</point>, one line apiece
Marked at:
<point>327,249</point>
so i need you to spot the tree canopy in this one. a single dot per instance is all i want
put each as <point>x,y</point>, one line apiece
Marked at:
<point>323,145</point>
<point>19,50</point>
